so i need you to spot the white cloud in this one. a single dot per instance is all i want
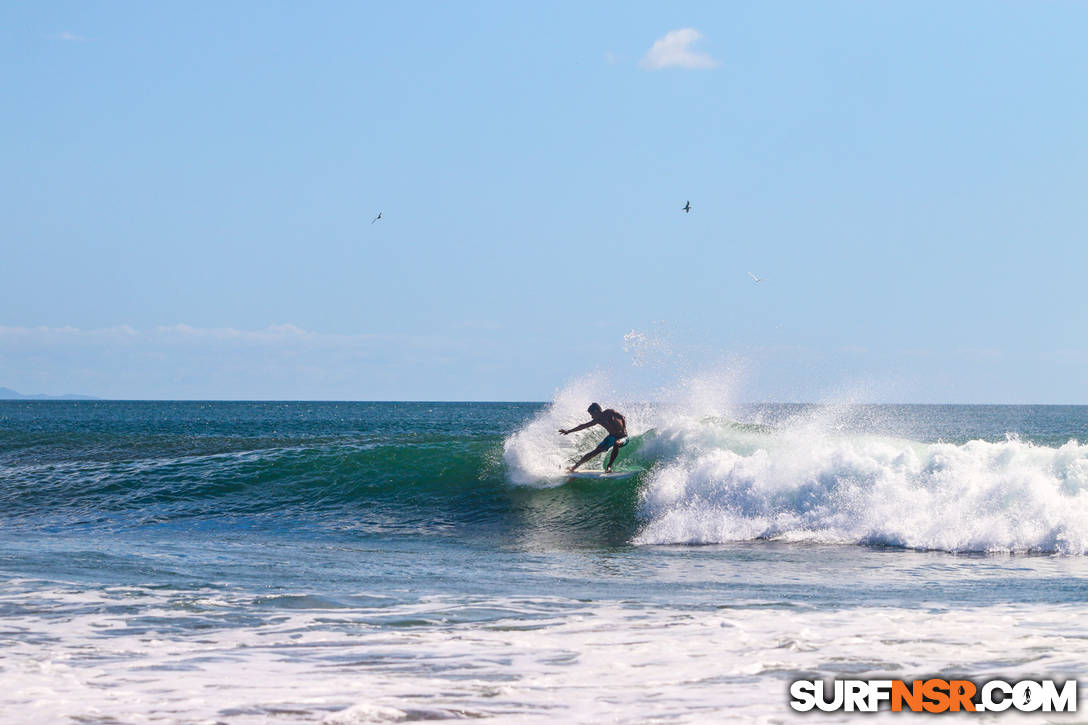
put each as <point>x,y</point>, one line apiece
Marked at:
<point>42,333</point>
<point>280,361</point>
<point>272,333</point>
<point>181,333</point>
<point>66,35</point>
<point>674,51</point>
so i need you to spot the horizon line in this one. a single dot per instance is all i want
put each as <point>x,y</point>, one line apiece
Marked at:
<point>94,399</point>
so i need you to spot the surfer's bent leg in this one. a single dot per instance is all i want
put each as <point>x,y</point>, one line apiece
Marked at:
<point>595,452</point>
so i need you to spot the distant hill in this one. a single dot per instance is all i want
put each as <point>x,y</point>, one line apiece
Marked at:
<point>9,394</point>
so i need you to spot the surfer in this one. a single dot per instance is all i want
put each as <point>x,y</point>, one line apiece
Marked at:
<point>611,421</point>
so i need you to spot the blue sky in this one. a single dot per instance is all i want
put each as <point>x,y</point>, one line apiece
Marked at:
<point>188,192</point>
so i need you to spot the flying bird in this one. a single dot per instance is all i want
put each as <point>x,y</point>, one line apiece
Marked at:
<point>376,218</point>
<point>686,208</point>
<point>755,279</point>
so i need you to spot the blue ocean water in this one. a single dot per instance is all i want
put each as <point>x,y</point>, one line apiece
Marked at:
<point>368,562</point>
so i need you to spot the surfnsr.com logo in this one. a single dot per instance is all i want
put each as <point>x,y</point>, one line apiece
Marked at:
<point>933,695</point>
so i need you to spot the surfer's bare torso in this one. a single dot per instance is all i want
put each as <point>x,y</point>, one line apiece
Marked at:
<point>612,422</point>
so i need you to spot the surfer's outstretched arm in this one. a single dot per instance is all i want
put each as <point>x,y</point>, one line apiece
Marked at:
<point>583,426</point>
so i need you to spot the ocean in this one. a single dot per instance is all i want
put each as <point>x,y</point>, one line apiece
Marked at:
<point>281,562</point>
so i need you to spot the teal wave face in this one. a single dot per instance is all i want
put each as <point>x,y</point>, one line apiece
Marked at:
<point>416,469</point>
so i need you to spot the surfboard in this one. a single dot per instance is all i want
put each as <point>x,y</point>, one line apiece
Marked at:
<point>600,474</point>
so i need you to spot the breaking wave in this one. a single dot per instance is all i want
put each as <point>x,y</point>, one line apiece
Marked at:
<point>810,477</point>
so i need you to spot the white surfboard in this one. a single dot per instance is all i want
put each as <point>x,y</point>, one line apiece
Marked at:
<point>599,474</point>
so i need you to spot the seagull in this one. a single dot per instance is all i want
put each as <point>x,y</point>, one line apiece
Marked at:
<point>376,218</point>
<point>686,208</point>
<point>755,279</point>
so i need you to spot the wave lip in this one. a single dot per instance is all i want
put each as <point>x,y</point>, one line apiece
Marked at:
<point>1008,496</point>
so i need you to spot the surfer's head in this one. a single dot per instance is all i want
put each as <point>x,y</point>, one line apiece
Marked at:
<point>594,409</point>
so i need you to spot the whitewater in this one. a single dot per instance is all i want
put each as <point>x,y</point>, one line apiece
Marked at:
<point>392,562</point>
<point>820,474</point>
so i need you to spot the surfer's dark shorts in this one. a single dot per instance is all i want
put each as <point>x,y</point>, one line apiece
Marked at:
<point>613,441</point>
